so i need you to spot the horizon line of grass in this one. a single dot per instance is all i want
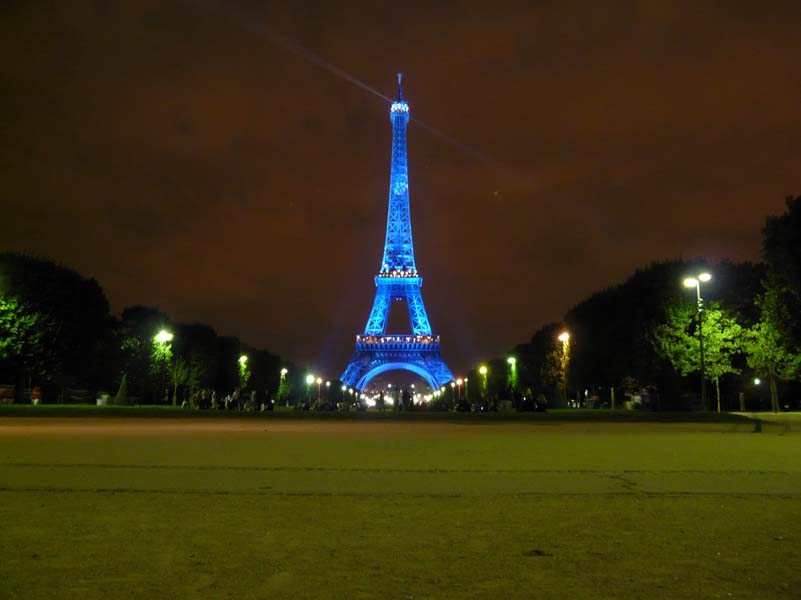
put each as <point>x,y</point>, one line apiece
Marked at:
<point>552,416</point>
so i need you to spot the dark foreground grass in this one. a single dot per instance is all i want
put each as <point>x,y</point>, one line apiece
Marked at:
<point>93,508</point>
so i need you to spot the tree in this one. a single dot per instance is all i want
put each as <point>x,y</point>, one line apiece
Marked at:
<point>72,325</point>
<point>22,333</point>
<point>677,340</point>
<point>138,326</point>
<point>781,249</point>
<point>244,373</point>
<point>769,351</point>
<point>179,375</point>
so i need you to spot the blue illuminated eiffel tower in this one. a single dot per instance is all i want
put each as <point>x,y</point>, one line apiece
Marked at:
<point>398,281</point>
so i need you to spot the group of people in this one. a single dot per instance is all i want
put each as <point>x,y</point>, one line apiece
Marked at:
<point>209,400</point>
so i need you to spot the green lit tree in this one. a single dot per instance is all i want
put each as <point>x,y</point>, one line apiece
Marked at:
<point>244,373</point>
<point>24,351</point>
<point>20,332</point>
<point>677,341</point>
<point>769,349</point>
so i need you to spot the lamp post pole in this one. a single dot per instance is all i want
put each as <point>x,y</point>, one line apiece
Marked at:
<point>482,370</point>
<point>564,337</point>
<point>696,283</point>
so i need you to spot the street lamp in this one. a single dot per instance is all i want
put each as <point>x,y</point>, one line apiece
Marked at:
<point>163,336</point>
<point>466,390</point>
<point>309,381</point>
<point>695,282</point>
<point>564,337</point>
<point>319,381</point>
<point>512,362</point>
<point>281,386</point>
<point>459,383</point>
<point>482,370</point>
<point>162,356</point>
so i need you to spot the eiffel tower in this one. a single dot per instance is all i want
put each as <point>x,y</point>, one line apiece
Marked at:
<point>398,281</point>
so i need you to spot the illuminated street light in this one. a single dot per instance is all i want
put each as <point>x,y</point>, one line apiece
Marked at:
<point>163,336</point>
<point>482,370</point>
<point>284,371</point>
<point>309,379</point>
<point>757,381</point>
<point>512,377</point>
<point>162,357</point>
<point>459,383</point>
<point>693,282</point>
<point>243,359</point>
<point>564,337</point>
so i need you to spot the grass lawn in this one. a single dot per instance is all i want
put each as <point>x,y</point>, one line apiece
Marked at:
<point>382,508</point>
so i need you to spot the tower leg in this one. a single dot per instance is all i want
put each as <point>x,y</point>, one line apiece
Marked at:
<point>377,321</point>
<point>417,311</point>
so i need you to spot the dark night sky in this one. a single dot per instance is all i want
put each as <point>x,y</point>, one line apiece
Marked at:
<point>176,153</point>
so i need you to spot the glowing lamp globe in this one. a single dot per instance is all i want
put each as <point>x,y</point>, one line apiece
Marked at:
<point>163,336</point>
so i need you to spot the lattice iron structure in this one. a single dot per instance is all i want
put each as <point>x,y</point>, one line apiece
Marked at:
<point>398,281</point>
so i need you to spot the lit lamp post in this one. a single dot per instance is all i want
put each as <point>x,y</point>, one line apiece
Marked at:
<point>453,387</point>
<point>482,370</point>
<point>564,337</point>
<point>282,385</point>
<point>327,390</point>
<point>512,362</point>
<point>319,382</point>
<point>695,282</point>
<point>466,390</point>
<point>163,354</point>
<point>459,383</point>
<point>309,381</point>
<point>163,337</point>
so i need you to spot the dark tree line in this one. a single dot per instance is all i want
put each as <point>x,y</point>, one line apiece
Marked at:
<point>640,337</point>
<point>57,334</point>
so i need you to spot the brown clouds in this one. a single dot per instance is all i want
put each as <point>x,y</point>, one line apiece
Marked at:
<point>187,161</point>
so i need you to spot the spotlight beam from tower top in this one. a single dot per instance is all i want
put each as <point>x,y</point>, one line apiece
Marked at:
<point>246,22</point>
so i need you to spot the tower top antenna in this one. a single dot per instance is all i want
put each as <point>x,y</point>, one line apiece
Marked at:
<point>400,89</point>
